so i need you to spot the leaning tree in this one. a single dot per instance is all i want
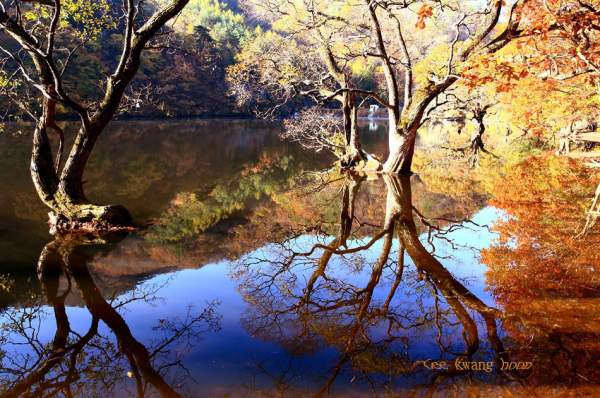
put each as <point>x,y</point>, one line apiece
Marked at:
<point>422,47</point>
<point>39,39</point>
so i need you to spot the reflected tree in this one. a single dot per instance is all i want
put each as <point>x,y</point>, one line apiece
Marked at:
<point>307,299</point>
<point>73,361</point>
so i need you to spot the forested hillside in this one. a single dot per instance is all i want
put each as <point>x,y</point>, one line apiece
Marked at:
<point>184,78</point>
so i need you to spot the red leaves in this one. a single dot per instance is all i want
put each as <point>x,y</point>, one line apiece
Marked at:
<point>425,12</point>
<point>486,70</point>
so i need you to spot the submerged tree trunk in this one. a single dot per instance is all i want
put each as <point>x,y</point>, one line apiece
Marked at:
<point>71,196</point>
<point>64,195</point>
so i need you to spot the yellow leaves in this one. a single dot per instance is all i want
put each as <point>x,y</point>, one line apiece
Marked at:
<point>287,23</point>
<point>88,18</point>
<point>434,63</point>
<point>31,15</point>
<point>268,57</point>
<point>289,74</point>
<point>6,284</point>
<point>5,83</point>
<point>361,67</point>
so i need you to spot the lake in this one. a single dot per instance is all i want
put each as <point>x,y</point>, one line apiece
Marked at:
<point>255,273</point>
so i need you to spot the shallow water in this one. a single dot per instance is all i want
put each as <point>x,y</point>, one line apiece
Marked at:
<point>252,275</point>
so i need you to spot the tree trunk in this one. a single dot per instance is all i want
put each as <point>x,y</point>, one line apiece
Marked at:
<point>70,209</point>
<point>354,143</point>
<point>477,146</point>
<point>353,152</point>
<point>402,148</point>
<point>42,169</point>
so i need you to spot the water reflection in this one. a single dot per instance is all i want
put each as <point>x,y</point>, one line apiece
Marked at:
<point>544,273</point>
<point>73,363</point>
<point>340,281</point>
<point>326,285</point>
<point>302,299</point>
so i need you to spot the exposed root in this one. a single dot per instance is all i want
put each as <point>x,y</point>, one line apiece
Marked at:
<point>90,219</point>
<point>360,161</point>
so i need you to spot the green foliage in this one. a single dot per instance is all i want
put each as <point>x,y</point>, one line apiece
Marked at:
<point>224,26</point>
<point>208,30</point>
<point>3,80</point>
<point>88,18</point>
<point>191,214</point>
<point>267,68</point>
<point>84,19</point>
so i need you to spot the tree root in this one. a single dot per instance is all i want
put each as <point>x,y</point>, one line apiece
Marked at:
<point>360,161</point>
<point>90,219</point>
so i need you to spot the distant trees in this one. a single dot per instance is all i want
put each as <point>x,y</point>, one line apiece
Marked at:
<point>202,43</point>
<point>40,39</point>
<point>224,26</point>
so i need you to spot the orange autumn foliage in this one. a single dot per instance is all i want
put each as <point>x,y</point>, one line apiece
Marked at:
<point>425,12</point>
<point>542,275</point>
<point>538,253</point>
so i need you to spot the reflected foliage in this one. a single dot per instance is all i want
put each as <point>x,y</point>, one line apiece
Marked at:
<point>542,273</point>
<point>192,213</point>
<point>546,199</point>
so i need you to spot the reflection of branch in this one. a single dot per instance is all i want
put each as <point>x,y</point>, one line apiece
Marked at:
<point>101,309</point>
<point>443,280</point>
<point>57,367</point>
<point>301,300</point>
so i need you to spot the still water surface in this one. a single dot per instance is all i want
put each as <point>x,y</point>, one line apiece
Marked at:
<point>254,275</point>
